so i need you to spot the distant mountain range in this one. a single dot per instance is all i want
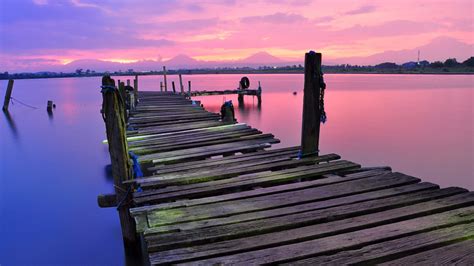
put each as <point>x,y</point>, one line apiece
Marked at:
<point>439,49</point>
<point>178,62</point>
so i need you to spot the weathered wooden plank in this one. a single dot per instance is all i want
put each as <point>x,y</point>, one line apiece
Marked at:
<point>208,151</point>
<point>265,179</point>
<point>400,247</point>
<point>160,118</point>
<point>157,181</point>
<point>189,166</point>
<point>176,129</point>
<point>253,176</point>
<point>159,122</point>
<point>282,199</point>
<point>338,219</point>
<point>229,196</point>
<point>188,133</point>
<point>461,253</point>
<point>202,142</point>
<point>264,214</point>
<point>343,241</point>
<point>168,141</point>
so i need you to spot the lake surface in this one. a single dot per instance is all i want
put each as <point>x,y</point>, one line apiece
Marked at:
<point>53,167</point>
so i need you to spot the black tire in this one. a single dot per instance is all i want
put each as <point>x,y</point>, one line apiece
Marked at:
<point>244,83</point>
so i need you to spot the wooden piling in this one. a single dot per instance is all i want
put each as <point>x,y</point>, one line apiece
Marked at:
<point>174,89</point>
<point>161,85</point>
<point>189,87</point>
<point>135,88</point>
<point>311,109</point>
<point>164,77</point>
<point>181,83</point>
<point>8,95</point>
<point>49,106</point>
<point>121,168</point>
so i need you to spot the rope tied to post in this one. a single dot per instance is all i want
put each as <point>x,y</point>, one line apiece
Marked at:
<point>322,85</point>
<point>108,88</point>
<point>137,171</point>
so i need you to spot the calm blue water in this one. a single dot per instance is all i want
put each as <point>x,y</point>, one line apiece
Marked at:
<point>53,168</point>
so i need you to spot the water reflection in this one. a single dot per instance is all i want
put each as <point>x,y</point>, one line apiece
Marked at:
<point>108,173</point>
<point>11,123</point>
<point>247,108</point>
<point>50,114</point>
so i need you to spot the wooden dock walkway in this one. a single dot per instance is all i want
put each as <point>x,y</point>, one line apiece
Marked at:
<point>213,193</point>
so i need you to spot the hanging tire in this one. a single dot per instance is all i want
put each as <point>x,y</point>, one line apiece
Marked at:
<point>244,83</point>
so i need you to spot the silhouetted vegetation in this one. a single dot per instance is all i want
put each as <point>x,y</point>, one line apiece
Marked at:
<point>450,65</point>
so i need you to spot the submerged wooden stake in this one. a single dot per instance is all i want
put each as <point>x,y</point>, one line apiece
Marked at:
<point>121,168</point>
<point>8,95</point>
<point>189,87</point>
<point>164,77</point>
<point>181,83</point>
<point>311,111</point>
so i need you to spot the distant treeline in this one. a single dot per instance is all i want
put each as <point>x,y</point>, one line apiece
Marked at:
<point>450,65</point>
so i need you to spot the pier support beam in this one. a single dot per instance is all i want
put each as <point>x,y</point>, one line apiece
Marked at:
<point>114,118</point>
<point>8,95</point>
<point>311,108</point>
<point>181,83</point>
<point>164,78</point>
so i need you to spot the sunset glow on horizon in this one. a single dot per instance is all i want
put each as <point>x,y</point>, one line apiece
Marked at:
<point>45,34</point>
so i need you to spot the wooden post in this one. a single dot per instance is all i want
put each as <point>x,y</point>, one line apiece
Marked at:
<point>174,89</point>
<point>121,168</point>
<point>49,106</point>
<point>135,88</point>
<point>181,83</point>
<point>259,94</point>
<point>189,87</point>
<point>161,85</point>
<point>311,108</point>
<point>164,76</point>
<point>8,95</point>
<point>136,83</point>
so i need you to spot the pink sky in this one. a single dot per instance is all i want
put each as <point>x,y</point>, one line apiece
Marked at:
<point>40,34</point>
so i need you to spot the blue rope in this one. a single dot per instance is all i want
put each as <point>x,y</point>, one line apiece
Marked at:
<point>301,155</point>
<point>108,88</point>
<point>136,165</point>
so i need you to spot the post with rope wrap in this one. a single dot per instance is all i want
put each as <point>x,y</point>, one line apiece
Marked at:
<point>114,118</point>
<point>312,105</point>
<point>8,95</point>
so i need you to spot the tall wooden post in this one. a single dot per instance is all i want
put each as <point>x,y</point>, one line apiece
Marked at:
<point>181,83</point>
<point>135,88</point>
<point>164,77</point>
<point>174,89</point>
<point>189,87</point>
<point>8,95</point>
<point>161,85</point>
<point>121,169</point>
<point>311,108</point>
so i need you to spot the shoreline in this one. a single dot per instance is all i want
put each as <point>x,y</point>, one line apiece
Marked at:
<point>198,72</point>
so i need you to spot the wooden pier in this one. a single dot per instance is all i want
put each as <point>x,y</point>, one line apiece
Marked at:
<point>212,192</point>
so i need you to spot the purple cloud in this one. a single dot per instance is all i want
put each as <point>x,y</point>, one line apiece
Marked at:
<point>277,18</point>
<point>362,10</point>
